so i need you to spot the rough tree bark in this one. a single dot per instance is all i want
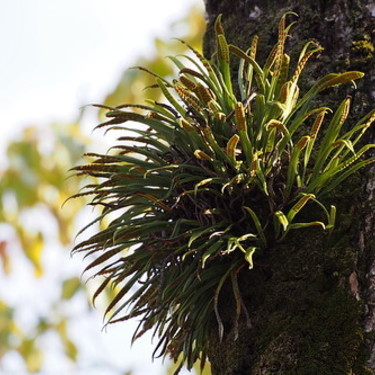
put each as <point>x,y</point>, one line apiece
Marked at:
<point>311,300</point>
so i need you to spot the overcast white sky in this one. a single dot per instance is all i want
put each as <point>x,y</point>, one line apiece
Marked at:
<point>58,55</point>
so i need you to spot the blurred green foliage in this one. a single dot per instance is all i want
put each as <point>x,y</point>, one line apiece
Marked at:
<point>35,180</point>
<point>36,177</point>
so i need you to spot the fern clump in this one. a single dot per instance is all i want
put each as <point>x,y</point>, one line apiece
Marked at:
<point>202,181</point>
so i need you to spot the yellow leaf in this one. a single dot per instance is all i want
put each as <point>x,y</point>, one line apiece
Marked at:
<point>33,247</point>
<point>70,287</point>
<point>4,257</point>
<point>32,355</point>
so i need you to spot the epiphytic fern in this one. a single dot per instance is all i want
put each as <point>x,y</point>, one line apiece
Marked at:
<point>203,180</point>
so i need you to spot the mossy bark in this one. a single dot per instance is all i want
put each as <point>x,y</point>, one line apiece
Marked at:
<point>311,300</point>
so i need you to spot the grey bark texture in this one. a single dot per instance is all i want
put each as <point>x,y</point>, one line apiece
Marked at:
<point>312,299</point>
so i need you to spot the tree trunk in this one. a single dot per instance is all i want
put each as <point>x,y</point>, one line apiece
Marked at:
<point>312,299</point>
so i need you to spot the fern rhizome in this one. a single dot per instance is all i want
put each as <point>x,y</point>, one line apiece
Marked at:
<point>206,178</point>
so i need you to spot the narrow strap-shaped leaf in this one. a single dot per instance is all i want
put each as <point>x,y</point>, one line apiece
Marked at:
<point>298,206</point>
<point>280,218</point>
<point>242,131</point>
<point>282,79</point>
<point>304,57</point>
<point>342,177</point>
<point>216,298</point>
<point>188,98</point>
<point>330,137</point>
<point>330,80</point>
<point>157,76</point>
<point>197,233</point>
<point>332,217</point>
<point>341,145</point>
<point>212,250</point>
<point>363,124</point>
<point>258,225</point>
<point>207,181</point>
<point>210,78</point>
<point>162,147</point>
<point>187,82</point>
<point>231,146</point>
<point>122,292</point>
<point>339,79</point>
<point>320,181</point>
<point>102,258</point>
<point>224,60</point>
<point>258,70</point>
<point>294,163</point>
<point>171,99</point>
<point>306,225</point>
<point>193,73</point>
<point>249,256</point>
<point>313,135</point>
<point>100,289</point>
